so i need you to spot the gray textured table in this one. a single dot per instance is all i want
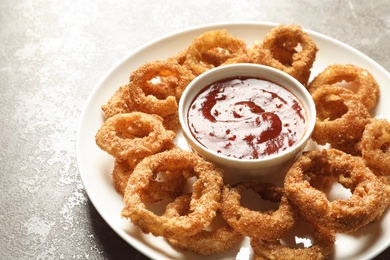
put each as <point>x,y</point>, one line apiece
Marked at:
<point>52,53</point>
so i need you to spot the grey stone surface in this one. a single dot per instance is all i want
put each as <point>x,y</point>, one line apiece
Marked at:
<point>52,53</point>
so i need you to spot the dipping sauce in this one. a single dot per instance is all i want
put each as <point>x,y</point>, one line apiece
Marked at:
<point>246,118</point>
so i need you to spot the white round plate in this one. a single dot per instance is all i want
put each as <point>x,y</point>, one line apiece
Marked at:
<point>95,166</point>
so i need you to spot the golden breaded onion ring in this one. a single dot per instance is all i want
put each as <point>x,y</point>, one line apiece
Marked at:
<point>206,242</point>
<point>341,117</point>
<point>363,83</point>
<point>119,103</point>
<point>133,135</point>
<point>155,87</point>
<point>375,146</point>
<point>204,201</point>
<point>162,186</point>
<point>213,49</point>
<point>263,225</point>
<point>342,215</point>
<point>280,49</point>
<point>121,173</point>
<point>323,246</point>
<point>386,198</point>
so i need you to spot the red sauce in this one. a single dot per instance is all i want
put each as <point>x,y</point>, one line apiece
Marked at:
<point>246,118</point>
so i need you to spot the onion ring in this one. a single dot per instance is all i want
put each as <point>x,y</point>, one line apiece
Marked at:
<point>205,242</point>
<point>133,135</point>
<point>119,103</point>
<point>279,49</point>
<point>361,81</point>
<point>204,202</point>
<point>171,122</point>
<point>341,117</point>
<point>375,146</point>
<point>386,200</point>
<point>344,215</point>
<point>155,87</point>
<point>180,57</point>
<point>161,187</point>
<point>323,246</point>
<point>262,225</point>
<point>121,173</point>
<point>213,49</point>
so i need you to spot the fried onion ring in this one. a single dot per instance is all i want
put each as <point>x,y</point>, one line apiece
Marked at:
<point>121,173</point>
<point>119,103</point>
<point>213,49</point>
<point>206,242</point>
<point>155,87</point>
<point>133,135</point>
<point>263,225</point>
<point>341,117</point>
<point>343,215</point>
<point>180,57</point>
<point>375,146</point>
<point>171,122</point>
<point>386,200</point>
<point>204,201</point>
<point>280,49</point>
<point>161,187</point>
<point>323,246</point>
<point>360,80</point>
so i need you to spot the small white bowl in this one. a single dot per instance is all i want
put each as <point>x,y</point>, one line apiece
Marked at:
<point>271,168</point>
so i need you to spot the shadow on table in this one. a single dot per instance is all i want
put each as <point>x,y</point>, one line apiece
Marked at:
<point>114,246</point>
<point>385,255</point>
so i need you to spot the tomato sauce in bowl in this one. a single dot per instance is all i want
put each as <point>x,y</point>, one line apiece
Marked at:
<point>251,120</point>
<point>246,117</point>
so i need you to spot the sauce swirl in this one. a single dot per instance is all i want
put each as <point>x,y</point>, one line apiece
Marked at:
<point>246,118</point>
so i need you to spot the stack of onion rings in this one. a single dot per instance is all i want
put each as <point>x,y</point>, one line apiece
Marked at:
<point>148,169</point>
<point>162,186</point>
<point>204,201</point>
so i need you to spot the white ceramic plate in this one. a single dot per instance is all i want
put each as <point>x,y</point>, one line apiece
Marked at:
<point>95,166</point>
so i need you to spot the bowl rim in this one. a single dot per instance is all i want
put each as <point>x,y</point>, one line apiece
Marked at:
<point>246,69</point>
